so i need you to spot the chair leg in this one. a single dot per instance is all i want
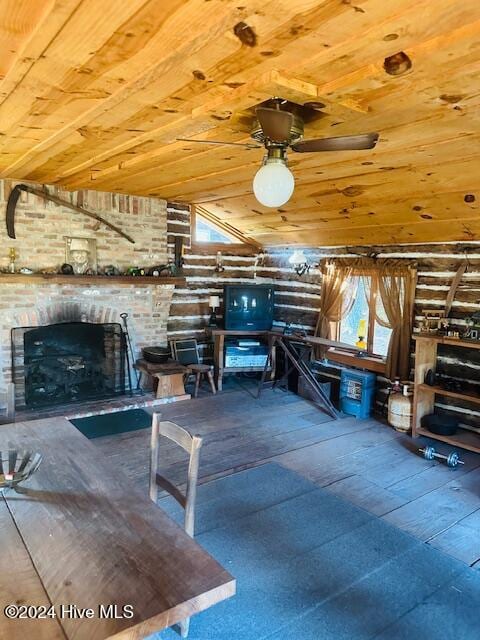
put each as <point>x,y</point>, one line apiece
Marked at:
<point>212,383</point>
<point>153,488</point>
<point>184,626</point>
<point>197,384</point>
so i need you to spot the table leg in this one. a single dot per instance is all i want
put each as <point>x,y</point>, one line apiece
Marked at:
<point>218,357</point>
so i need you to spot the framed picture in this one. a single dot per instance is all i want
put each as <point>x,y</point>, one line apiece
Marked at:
<point>81,253</point>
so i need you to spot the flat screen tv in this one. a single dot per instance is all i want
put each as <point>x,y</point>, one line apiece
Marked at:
<point>248,307</point>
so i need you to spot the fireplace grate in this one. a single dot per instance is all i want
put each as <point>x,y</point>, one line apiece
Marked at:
<point>67,362</point>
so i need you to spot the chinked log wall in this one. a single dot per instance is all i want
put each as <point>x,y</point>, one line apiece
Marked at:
<point>189,311</point>
<point>297,298</point>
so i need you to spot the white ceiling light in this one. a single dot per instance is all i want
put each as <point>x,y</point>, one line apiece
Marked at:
<point>273,183</point>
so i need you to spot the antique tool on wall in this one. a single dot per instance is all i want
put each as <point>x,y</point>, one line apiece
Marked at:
<point>129,353</point>
<point>15,194</point>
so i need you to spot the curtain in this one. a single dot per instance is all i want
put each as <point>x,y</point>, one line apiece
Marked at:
<point>397,293</point>
<point>394,282</point>
<point>337,295</point>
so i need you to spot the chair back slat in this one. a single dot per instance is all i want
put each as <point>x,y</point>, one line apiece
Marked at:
<point>190,444</point>
<point>175,432</point>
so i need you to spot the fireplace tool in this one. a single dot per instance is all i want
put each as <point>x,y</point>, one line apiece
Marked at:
<point>129,353</point>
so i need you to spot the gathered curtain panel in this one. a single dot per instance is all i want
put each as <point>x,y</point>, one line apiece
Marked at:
<point>395,282</point>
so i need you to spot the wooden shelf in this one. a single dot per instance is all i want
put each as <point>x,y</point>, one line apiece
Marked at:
<point>456,342</point>
<point>242,369</point>
<point>424,394</point>
<point>38,278</point>
<point>228,332</point>
<point>350,359</point>
<point>463,438</point>
<point>452,394</point>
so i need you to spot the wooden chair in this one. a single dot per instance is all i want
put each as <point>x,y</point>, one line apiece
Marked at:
<point>190,444</point>
<point>186,352</point>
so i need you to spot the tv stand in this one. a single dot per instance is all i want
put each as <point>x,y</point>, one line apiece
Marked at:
<point>219,336</point>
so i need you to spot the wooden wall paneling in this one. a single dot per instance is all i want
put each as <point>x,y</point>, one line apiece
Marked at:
<point>94,98</point>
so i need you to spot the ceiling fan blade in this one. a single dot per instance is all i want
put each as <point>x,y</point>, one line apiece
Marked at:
<point>247,145</point>
<point>276,124</point>
<point>340,143</point>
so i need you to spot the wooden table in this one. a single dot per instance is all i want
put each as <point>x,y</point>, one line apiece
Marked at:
<point>80,534</point>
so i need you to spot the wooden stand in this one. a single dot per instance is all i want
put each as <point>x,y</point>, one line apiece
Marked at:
<point>424,395</point>
<point>169,377</point>
<point>219,354</point>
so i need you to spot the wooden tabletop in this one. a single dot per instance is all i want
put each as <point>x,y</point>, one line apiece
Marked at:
<point>79,534</point>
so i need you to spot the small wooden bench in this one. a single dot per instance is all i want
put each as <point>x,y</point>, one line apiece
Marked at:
<point>167,379</point>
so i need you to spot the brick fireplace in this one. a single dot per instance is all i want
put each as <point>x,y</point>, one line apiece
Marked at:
<point>41,230</point>
<point>40,305</point>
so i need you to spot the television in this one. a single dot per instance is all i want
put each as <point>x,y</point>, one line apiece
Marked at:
<point>248,307</point>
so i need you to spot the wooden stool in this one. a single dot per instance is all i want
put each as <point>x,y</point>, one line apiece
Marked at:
<point>170,378</point>
<point>199,370</point>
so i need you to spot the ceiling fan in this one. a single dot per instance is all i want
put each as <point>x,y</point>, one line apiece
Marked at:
<point>278,126</point>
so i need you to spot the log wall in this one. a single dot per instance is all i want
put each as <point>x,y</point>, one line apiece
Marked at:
<point>297,297</point>
<point>189,310</point>
<point>297,300</point>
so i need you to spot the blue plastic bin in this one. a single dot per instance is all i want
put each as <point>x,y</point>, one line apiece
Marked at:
<point>357,389</point>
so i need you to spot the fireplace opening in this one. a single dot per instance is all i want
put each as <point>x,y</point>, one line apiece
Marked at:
<point>67,362</point>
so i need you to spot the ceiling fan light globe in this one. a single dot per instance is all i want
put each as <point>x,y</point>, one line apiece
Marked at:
<point>273,184</point>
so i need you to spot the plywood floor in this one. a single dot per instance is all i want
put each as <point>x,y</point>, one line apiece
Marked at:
<point>364,462</point>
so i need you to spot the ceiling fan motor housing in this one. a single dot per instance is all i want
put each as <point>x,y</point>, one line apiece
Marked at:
<point>296,131</point>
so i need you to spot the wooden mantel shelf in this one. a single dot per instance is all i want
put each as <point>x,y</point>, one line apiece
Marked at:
<point>38,278</point>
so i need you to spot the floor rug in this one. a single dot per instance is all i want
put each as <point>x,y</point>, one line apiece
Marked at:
<point>311,566</point>
<point>108,424</point>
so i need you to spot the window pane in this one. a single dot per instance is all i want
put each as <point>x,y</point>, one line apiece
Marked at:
<point>208,232</point>
<point>381,339</point>
<point>382,335</point>
<point>350,325</point>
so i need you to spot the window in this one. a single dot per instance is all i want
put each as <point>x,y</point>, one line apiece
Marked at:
<point>206,231</point>
<point>366,318</point>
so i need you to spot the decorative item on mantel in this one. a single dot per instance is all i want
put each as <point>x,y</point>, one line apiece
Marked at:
<point>13,256</point>
<point>81,253</point>
<point>17,467</point>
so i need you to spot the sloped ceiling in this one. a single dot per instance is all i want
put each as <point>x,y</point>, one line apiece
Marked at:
<point>94,94</point>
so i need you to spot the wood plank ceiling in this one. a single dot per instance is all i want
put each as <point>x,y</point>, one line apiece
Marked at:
<point>94,93</point>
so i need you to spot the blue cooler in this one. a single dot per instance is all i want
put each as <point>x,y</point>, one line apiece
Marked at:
<point>357,389</point>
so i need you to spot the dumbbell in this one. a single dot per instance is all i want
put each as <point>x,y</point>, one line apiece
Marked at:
<point>452,459</point>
